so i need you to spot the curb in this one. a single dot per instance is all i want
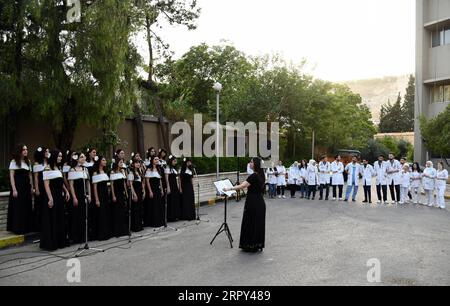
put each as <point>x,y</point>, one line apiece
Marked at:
<point>11,241</point>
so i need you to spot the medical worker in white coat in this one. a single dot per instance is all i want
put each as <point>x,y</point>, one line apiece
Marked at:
<point>354,170</point>
<point>294,179</point>
<point>337,179</point>
<point>441,184</point>
<point>312,177</point>
<point>416,179</point>
<point>428,182</point>
<point>380,168</point>
<point>368,174</point>
<point>281,180</point>
<point>394,173</point>
<point>324,177</point>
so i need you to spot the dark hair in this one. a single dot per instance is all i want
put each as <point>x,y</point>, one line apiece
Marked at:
<point>303,161</point>
<point>53,160</point>
<point>184,166</point>
<point>381,155</point>
<point>17,156</point>
<point>96,167</point>
<point>257,168</point>
<point>171,159</point>
<point>115,166</point>
<point>336,157</point>
<point>72,162</point>
<point>323,157</point>
<point>88,156</point>
<point>161,151</point>
<point>118,152</point>
<point>149,152</point>
<point>39,157</point>
<point>138,171</point>
<point>417,166</point>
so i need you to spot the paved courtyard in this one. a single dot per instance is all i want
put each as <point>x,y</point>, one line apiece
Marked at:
<point>307,243</point>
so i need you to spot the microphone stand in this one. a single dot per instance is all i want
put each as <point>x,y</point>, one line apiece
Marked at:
<point>165,226</point>
<point>199,220</point>
<point>86,247</point>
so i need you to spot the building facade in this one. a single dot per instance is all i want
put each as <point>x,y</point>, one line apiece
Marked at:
<point>432,66</point>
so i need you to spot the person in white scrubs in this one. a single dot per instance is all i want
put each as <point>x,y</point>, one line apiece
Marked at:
<point>324,177</point>
<point>312,177</point>
<point>272,181</point>
<point>380,168</point>
<point>405,184</point>
<point>303,176</point>
<point>294,179</point>
<point>416,179</point>
<point>281,180</point>
<point>354,170</point>
<point>337,179</point>
<point>394,171</point>
<point>428,182</point>
<point>441,185</point>
<point>368,174</point>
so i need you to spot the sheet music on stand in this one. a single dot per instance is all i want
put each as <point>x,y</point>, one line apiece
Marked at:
<point>221,185</point>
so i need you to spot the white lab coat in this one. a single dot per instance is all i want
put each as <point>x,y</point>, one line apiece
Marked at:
<point>294,176</point>
<point>368,174</point>
<point>324,173</point>
<point>337,178</point>
<point>271,177</point>
<point>405,179</point>
<point>312,175</point>
<point>281,179</point>
<point>441,175</point>
<point>395,165</point>
<point>416,177</point>
<point>358,169</point>
<point>303,175</point>
<point>428,182</point>
<point>380,172</point>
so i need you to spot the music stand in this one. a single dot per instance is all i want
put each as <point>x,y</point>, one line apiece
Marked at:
<point>220,186</point>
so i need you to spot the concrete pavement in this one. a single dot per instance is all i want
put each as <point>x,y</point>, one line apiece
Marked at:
<point>307,243</point>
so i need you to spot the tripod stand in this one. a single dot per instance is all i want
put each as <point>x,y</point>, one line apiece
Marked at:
<point>198,220</point>
<point>224,227</point>
<point>86,247</point>
<point>130,235</point>
<point>165,226</point>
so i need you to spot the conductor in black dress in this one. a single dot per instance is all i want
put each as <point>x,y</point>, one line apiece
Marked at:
<point>254,220</point>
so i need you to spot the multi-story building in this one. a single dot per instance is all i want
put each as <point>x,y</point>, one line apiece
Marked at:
<point>432,65</point>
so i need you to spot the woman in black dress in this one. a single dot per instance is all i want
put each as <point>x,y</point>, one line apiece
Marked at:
<point>80,190</point>
<point>53,231</point>
<point>119,199</point>
<point>254,220</point>
<point>150,153</point>
<point>187,191</point>
<point>101,214</point>
<point>173,191</point>
<point>40,162</point>
<point>155,210</point>
<point>20,210</point>
<point>137,184</point>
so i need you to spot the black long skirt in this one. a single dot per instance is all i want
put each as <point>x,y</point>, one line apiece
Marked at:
<point>119,210</point>
<point>20,209</point>
<point>77,214</point>
<point>137,208</point>
<point>187,198</point>
<point>173,200</point>
<point>253,229</point>
<point>102,215</point>
<point>156,205</point>
<point>39,202</point>
<point>53,231</point>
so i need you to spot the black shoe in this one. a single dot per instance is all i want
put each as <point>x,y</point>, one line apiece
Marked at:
<point>365,201</point>
<point>326,199</point>
<point>320,199</point>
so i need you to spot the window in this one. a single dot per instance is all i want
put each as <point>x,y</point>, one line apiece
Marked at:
<point>440,93</point>
<point>447,93</point>
<point>440,37</point>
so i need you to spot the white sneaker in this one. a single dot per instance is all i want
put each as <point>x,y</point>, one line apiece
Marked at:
<point>279,197</point>
<point>284,197</point>
<point>401,203</point>
<point>334,199</point>
<point>378,202</point>
<point>430,205</point>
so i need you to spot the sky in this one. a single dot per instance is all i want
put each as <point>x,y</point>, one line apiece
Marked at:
<point>340,39</point>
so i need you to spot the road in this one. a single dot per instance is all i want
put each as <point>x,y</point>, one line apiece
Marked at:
<point>307,243</point>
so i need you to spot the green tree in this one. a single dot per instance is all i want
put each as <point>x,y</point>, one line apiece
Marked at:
<point>391,117</point>
<point>408,106</point>
<point>69,73</point>
<point>436,133</point>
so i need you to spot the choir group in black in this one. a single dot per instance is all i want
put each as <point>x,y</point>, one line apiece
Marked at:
<point>50,196</point>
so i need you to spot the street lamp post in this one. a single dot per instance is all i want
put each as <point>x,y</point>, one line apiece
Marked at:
<point>218,88</point>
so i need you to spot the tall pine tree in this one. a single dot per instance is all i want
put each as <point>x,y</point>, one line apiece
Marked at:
<point>408,106</point>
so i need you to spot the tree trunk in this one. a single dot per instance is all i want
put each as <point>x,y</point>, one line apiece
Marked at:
<point>139,124</point>
<point>64,137</point>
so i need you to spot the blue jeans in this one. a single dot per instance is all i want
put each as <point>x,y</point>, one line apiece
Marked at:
<point>304,190</point>
<point>349,191</point>
<point>272,190</point>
